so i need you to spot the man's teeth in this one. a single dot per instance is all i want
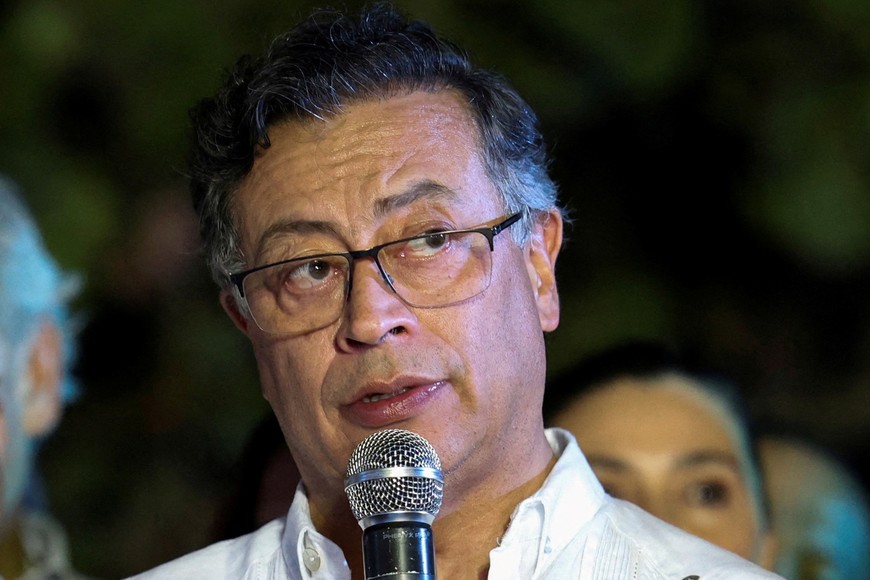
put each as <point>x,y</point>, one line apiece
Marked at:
<point>376,398</point>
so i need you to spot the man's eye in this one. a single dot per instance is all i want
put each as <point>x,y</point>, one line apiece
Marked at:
<point>309,274</point>
<point>317,270</point>
<point>426,245</point>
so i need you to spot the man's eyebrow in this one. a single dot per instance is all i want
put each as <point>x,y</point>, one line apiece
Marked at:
<point>418,190</point>
<point>705,457</point>
<point>293,227</point>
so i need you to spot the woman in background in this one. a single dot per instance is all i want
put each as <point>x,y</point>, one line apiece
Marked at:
<point>671,439</point>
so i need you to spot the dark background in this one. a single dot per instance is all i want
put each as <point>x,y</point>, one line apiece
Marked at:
<point>713,154</point>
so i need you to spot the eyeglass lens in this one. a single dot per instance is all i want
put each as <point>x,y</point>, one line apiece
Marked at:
<point>426,271</point>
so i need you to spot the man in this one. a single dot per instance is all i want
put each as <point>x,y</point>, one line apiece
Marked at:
<point>35,360</point>
<point>379,217</point>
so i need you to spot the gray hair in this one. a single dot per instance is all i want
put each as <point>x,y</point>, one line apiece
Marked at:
<point>32,288</point>
<point>328,61</point>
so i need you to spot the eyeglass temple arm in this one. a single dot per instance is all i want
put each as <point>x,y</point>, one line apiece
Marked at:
<point>498,228</point>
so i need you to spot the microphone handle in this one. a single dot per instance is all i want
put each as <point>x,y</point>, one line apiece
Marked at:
<point>399,551</point>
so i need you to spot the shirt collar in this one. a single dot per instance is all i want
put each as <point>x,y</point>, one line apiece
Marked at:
<point>307,552</point>
<point>569,498</point>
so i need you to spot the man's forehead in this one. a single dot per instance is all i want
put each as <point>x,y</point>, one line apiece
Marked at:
<point>398,152</point>
<point>425,193</point>
<point>438,109</point>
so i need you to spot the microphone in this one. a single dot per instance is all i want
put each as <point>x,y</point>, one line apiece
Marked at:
<point>394,486</point>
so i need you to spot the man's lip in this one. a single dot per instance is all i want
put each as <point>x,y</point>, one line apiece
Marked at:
<point>406,401</point>
<point>384,396</point>
<point>388,389</point>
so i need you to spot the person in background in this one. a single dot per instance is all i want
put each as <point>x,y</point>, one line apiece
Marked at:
<point>671,438</point>
<point>378,215</point>
<point>820,511</point>
<point>36,356</point>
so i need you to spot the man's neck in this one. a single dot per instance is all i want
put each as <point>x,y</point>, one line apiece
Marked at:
<point>466,529</point>
<point>465,537</point>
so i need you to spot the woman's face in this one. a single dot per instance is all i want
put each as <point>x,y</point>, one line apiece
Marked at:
<point>668,447</point>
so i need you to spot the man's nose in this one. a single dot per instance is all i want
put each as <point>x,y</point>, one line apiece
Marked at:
<point>373,309</point>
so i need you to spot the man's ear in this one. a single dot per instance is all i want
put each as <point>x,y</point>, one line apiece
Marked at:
<point>42,402</point>
<point>544,246</point>
<point>234,311</point>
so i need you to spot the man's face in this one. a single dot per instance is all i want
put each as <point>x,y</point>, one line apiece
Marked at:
<point>469,377</point>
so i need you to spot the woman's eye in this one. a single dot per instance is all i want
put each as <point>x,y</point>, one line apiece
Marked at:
<point>708,493</point>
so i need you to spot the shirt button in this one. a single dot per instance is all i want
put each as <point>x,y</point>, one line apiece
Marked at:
<point>311,559</point>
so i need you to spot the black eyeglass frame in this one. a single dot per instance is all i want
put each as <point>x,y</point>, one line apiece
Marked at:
<point>238,278</point>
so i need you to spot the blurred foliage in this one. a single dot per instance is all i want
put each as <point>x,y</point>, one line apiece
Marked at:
<point>713,155</point>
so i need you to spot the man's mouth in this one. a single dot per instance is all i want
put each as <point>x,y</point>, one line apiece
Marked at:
<point>383,396</point>
<point>390,402</point>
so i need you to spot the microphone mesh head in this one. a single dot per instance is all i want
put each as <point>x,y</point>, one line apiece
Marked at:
<point>384,495</point>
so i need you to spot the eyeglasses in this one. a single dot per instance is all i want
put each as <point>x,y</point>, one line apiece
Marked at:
<point>430,270</point>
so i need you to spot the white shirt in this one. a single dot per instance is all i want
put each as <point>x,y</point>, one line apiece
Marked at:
<point>568,529</point>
